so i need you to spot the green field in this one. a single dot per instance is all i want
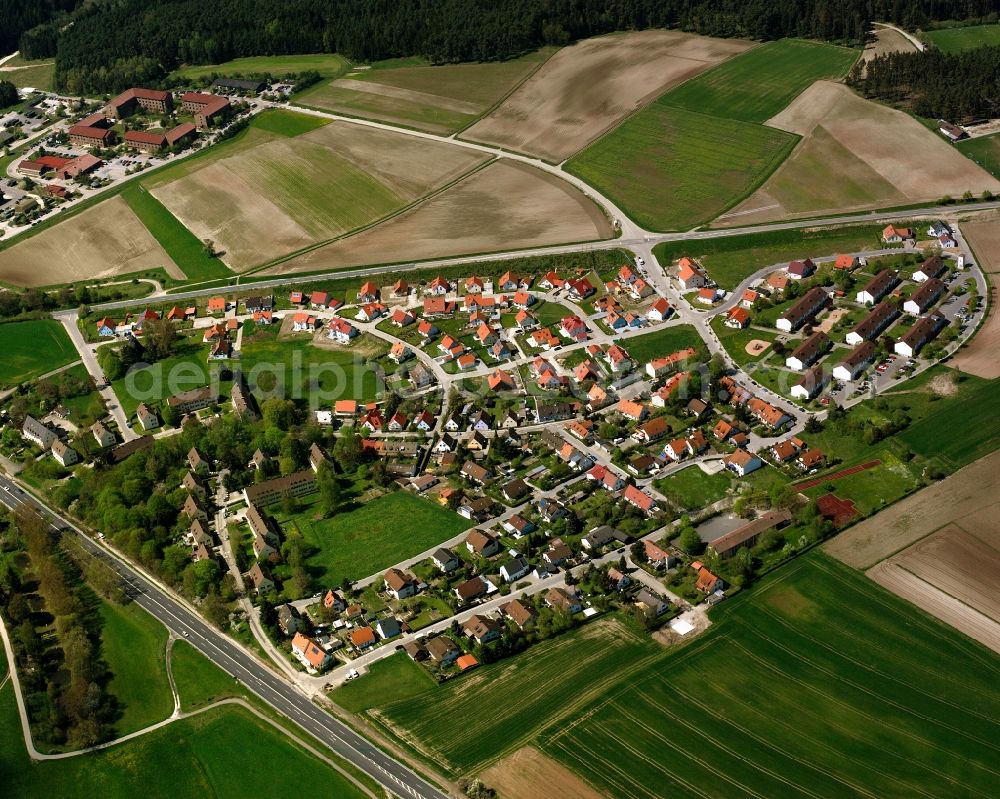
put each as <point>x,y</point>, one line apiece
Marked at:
<point>326,64</point>
<point>183,247</point>
<point>38,74</point>
<point>199,681</point>
<point>134,645</point>
<point>692,489</point>
<point>663,342</point>
<point>674,169</point>
<point>731,259</point>
<point>411,92</point>
<point>374,535</point>
<point>735,341</point>
<point>955,40</point>
<point>393,679</point>
<point>984,150</point>
<point>308,371</point>
<point>467,723</point>
<point>188,369</point>
<point>757,84</point>
<point>288,123</point>
<point>221,754</point>
<point>33,348</point>
<point>817,683</point>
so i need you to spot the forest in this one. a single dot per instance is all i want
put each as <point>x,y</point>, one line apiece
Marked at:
<point>113,45</point>
<point>958,87</point>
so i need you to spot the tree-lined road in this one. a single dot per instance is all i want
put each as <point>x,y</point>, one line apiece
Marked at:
<point>234,659</point>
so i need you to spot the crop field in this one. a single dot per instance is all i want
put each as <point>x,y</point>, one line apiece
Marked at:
<point>506,205</point>
<point>979,357</point>
<point>374,535</point>
<point>295,190</point>
<point>663,342</point>
<point>325,64</point>
<point>32,348</point>
<point>221,754</point>
<point>587,88</point>
<point>729,260</point>
<point>984,150</point>
<point>411,92</point>
<point>673,169</point>
<point>954,40</point>
<point>856,154</point>
<point>103,241</point>
<point>759,83</point>
<point>886,41</point>
<point>180,244</point>
<point>133,644</point>
<point>539,687</point>
<point>817,683</point>
<point>693,489</point>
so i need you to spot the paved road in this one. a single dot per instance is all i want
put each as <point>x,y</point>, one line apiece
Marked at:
<point>236,661</point>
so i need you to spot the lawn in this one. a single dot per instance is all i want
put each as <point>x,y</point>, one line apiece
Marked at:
<point>221,754</point>
<point>731,259</point>
<point>199,681</point>
<point>327,65</point>
<point>374,535</point>
<point>955,40</point>
<point>31,349</point>
<point>817,683</point>
<point>663,342</point>
<point>674,169</point>
<point>393,679</point>
<point>184,248</point>
<point>984,150</point>
<point>692,489</point>
<point>188,369</point>
<point>134,644</point>
<point>308,372</point>
<point>735,340</point>
<point>757,84</point>
<point>467,723</point>
<point>873,489</point>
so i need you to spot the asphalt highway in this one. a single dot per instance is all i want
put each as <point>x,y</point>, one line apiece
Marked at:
<point>229,656</point>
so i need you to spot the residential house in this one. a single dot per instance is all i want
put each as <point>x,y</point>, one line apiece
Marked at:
<point>807,306</point>
<point>64,454</point>
<point>652,604</point>
<point>924,297</point>
<point>514,569</point>
<point>659,311</point>
<point>809,351</point>
<point>310,654</point>
<point>926,328</point>
<point>565,599</point>
<point>482,629</point>
<point>481,543</point>
<point>368,293</point>
<point>811,383</point>
<point>798,270</point>
<point>708,582</point>
<point>147,417</point>
<point>877,320</point>
<point>388,627</point>
<point>443,650</point>
<point>933,267</point>
<point>37,433</point>
<point>445,560</point>
<point>103,436</point>
<point>523,615</point>
<point>363,638</point>
<point>876,288</point>
<point>260,582</point>
<point>651,430</point>
<point>471,589</point>
<point>557,553</point>
<point>690,275</point>
<point>742,462</point>
<point>737,318</point>
<point>896,235</point>
<point>856,362</point>
<point>639,499</point>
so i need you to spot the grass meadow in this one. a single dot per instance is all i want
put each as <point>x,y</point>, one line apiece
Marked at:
<point>693,489</point>
<point>327,65</point>
<point>393,679</point>
<point>32,348</point>
<point>199,681</point>
<point>469,722</point>
<point>955,40</point>
<point>674,169</point>
<point>372,536</point>
<point>221,754</point>
<point>984,150</point>
<point>817,683</point>
<point>731,259</point>
<point>183,247</point>
<point>759,83</point>
<point>663,342</point>
<point>134,645</point>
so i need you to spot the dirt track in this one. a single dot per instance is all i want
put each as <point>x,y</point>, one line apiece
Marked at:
<point>522,775</point>
<point>505,205</point>
<point>101,242</point>
<point>587,88</point>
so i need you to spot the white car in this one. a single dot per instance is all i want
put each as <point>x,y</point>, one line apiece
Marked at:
<point>639,261</point>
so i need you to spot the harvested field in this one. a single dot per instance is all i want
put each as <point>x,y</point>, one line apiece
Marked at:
<point>506,205</point>
<point>982,356</point>
<point>103,241</point>
<point>587,88</point>
<point>287,193</point>
<point>439,99</point>
<point>885,41</point>
<point>856,154</point>
<point>521,775</point>
<point>970,493</point>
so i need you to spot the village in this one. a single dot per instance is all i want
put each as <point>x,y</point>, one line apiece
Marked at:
<point>544,413</point>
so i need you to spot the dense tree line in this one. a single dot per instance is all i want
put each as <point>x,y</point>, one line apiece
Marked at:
<point>959,87</point>
<point>19,16</point>
<point>111,46</point>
